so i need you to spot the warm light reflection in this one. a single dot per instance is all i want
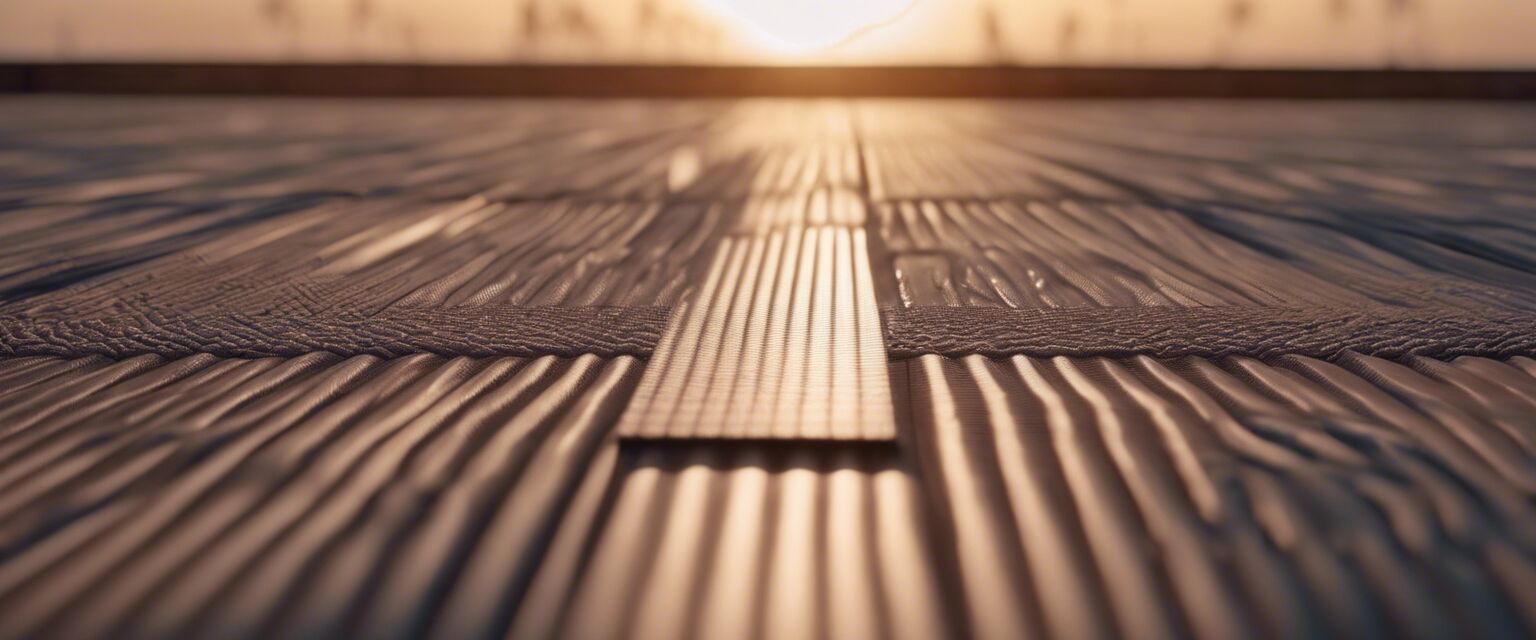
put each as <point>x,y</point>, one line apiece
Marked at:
<point>1420,34</point>
<point>793,26</point>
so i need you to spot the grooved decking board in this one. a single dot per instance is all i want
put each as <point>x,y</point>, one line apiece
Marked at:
<point>118,215</point>
<point>373,255</point>
<point>1098,498</point>
<point>160,490</point>
<point>781,341</point>
<point>588,202</point>
<point>715,542</point>
<point>1428,159</point>
<point>305,497</point>
<point>57,150</point>
<point>1207,332</point>
<point>386,277</point>
<point>1066,497</point>
<point>1038,254</point>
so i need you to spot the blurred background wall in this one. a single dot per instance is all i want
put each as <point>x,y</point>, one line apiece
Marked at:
<point>1425,34</point>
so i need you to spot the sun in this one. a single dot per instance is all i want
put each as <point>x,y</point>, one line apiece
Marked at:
<point>793,26</point>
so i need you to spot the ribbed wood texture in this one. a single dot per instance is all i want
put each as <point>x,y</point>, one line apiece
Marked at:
<point>313,496</point>
<point>764,369</point>
<point>1064,497</point>
<point>782,340</point>
<point>1216,499</point>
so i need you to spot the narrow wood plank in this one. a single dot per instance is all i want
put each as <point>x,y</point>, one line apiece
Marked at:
<point>782,341</point>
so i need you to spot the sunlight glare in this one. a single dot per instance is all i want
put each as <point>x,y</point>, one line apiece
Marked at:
<point>794,26</point>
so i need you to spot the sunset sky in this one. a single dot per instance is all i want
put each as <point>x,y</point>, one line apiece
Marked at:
<point>1326,33</point>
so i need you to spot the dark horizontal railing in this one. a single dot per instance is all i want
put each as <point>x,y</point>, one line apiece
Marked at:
<point>711,81</point>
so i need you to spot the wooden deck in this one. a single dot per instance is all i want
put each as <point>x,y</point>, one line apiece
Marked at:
<point>777,368</point>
